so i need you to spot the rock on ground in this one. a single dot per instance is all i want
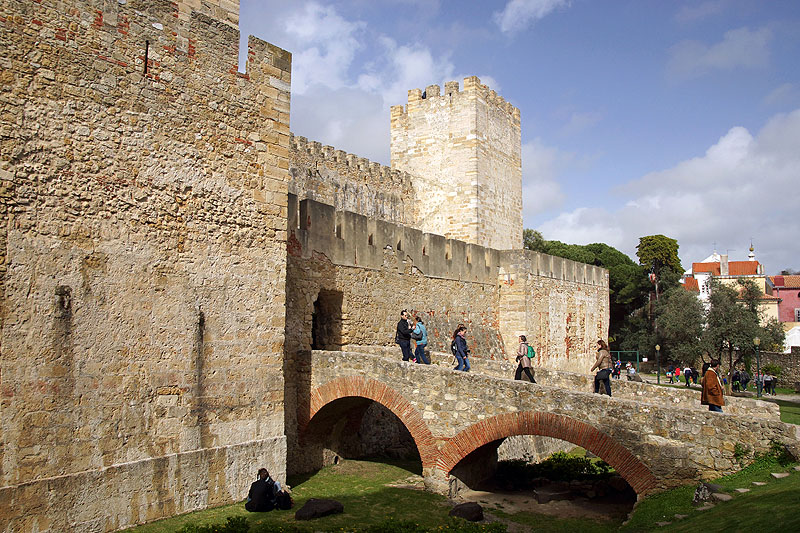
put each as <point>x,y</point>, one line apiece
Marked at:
<point>317,508</point>
<point>468,511</point>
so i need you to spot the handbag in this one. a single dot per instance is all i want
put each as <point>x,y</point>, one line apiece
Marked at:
<point>416,336</point>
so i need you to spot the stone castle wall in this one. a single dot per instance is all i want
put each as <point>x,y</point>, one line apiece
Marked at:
<point>789,364</point>
<point>350,183</point>
<point>143,262</point>
<point>466,147</point>
<point>371,269</point>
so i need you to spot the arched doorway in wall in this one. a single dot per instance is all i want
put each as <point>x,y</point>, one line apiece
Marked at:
<point>326,321</point>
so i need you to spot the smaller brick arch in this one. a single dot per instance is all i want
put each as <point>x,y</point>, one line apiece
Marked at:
<point>361,387</point>
<point>561,427</point>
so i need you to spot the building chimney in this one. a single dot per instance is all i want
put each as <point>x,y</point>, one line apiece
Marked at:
<point>723,265</point>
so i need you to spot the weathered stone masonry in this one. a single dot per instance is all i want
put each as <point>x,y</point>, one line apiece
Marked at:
<point>144,184</point>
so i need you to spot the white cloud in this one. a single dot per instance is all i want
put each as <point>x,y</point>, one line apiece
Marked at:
<point>541,167</point>
<point>580,121</point>
<point>327,44</point>
<point>740,48</point>
<point>519,14</point>
<point>743,187</point>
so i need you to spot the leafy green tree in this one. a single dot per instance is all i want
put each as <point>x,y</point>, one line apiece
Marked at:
<point>659,255</point>
<point>532,240</point>
<point>680,320</point>
<point>734,318</point>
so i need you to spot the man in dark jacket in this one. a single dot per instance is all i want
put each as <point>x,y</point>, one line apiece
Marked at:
<point>403,335</point>
<point>262,493</point>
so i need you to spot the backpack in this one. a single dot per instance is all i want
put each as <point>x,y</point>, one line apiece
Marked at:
<point>453,347</point>
<point>531,352</point>
<point>283,501</point>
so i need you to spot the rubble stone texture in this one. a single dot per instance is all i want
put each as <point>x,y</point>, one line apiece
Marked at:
<point>168,250</point>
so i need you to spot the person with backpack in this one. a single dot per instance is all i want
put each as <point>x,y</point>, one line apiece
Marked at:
<point>420,335</point>
<point>459,349</point>
<point>525,355</point>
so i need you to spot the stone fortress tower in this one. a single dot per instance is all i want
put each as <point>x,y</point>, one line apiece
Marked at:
<point>465,148</point>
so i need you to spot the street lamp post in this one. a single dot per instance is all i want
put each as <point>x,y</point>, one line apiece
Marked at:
<point>759,378</point>
<point>658,364</point>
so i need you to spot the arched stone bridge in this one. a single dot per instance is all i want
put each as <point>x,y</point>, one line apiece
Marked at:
<point>656,438</point>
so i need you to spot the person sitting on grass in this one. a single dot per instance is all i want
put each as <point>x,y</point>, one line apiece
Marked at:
<point>263,491</point>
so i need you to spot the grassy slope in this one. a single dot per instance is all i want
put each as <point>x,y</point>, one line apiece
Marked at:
<point>775,503</point>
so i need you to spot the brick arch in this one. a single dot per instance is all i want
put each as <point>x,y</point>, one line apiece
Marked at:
<point>561,427</point>
<point>361,387</point>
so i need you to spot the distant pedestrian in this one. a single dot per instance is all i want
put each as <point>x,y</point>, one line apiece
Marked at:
<point>261,497</point>
<point>460,350</point>
<point>420,336</point>
<point>744,378</point>
<point>713,392</point>
<point>525,355</point>
<point>603,365</point>
<point>670,373</point>
<point>403,335</point>
<point>687,375</point>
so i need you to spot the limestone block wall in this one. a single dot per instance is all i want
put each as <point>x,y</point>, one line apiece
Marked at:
<point>466,145</point>
<point>144,186</point>
<point>226,11</point>
<point>350,183</point>
<point>561,306</point>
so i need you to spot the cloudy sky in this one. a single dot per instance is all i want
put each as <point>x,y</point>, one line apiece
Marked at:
<point>638,116</point>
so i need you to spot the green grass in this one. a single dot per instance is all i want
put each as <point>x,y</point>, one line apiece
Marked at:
<point>775,503</point>
<point>790,411</point>
<point>359,485</point>
<point>362,488</point>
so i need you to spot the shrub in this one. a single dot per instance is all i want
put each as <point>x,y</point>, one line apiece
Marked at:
<point>772,369</point>
<point>517,474</point>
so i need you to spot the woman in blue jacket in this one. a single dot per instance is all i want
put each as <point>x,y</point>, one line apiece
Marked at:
<point>420,336</point>
<point>461,352</point>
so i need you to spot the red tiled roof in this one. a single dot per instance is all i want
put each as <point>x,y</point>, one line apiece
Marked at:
<point>706,267</point>
<point>690,284</point>
<point>743,268</point>
<point>786,282</point>
<point>735,268</point>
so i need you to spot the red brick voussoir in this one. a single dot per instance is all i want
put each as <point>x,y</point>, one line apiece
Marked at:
<point>361,387</point>
<point>561,427</point>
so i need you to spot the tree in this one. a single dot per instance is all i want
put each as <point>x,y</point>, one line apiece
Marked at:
<point>533,240</point>
<point>657,251</point>
<point>680,320</point>
<point>734,319</point>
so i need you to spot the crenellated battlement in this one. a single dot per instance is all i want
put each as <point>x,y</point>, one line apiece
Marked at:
<point>326,154</point>
<point>473,88</point>
<point>352,239</point>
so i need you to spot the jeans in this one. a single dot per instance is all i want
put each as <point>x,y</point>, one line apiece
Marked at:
<point>520,370</point>
<point>603,376</point>
<point>715,408</point>
<point>463,363</point>
<point>405,346</point>
<point>419,353</point>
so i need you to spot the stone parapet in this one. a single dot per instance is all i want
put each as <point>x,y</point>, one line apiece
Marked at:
<point>674,397</point>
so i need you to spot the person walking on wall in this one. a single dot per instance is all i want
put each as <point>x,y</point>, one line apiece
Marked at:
<point>525,355</point>
<point>420,336</point>
<point>460,350</point>
<point>603,364</point>
<point>712,388</point>
<point>403,335</point>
